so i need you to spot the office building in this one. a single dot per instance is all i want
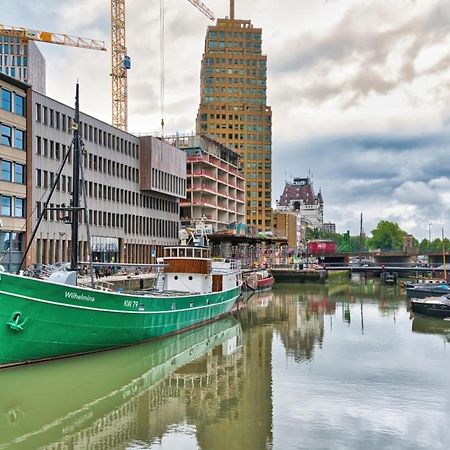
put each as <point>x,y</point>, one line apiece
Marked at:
<point>133,186</point>
<point>233,107</point>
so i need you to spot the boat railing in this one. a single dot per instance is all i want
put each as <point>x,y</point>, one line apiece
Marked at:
<point>226,265</point>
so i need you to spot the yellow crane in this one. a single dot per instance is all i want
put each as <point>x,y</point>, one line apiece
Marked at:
<point>26,34</point>
<point>120,61</point>
<point>203,8</point>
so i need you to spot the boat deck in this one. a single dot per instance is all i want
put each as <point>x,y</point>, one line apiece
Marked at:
<point>159,294</point>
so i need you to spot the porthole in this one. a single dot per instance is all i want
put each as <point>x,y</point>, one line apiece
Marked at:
<point>175,277</point>
<point>190,278</point>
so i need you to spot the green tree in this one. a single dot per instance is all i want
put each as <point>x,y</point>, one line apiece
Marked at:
<point>424,245</point>
<point>387,236</point>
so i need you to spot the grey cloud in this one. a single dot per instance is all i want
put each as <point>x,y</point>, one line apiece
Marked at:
<point>351,41</point>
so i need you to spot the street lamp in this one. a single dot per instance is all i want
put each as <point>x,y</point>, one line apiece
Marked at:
<point>429,232</point>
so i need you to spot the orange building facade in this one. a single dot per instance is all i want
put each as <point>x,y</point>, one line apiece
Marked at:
<point>233,108</point>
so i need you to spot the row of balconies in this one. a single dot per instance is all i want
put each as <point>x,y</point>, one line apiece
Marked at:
<point>220,197</point>
<point>211,176</point>
<point>212,203</point>
<point>206,188</point>
<point>211,160</point>
<point>217,217</point>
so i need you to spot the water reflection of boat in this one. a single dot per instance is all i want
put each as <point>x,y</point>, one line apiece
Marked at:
<point>263,300</point>
<point>431,326</point>
<point>96,398</point>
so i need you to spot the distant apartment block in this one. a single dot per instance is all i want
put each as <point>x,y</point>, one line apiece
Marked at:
<point>22,60</point>
<point>329,227</point>
<point>215,190</point>
<point>233,107</point>
<point>13,179</point>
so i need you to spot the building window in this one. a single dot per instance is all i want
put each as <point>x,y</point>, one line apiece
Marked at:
<point>19,141</point>
<point>6,206</point>
<point>19,105</point>
<point>38,113</point>
<point>19,173</point>
<point>6,138</point>
<point>19,207</point>
<point>6,100</point>
<point>6,170</point>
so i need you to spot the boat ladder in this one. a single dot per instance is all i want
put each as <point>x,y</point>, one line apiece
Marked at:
<point>160,276</point>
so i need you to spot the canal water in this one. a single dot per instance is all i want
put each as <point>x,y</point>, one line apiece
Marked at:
<point>339,366</point>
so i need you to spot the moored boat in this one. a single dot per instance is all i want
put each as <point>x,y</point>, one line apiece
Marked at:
<point>258,280</point>
<point>431,306</point>
<point>427,290</point>
<point>54,317</point>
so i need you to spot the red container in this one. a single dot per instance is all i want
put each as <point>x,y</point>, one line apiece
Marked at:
<point>321,246</point>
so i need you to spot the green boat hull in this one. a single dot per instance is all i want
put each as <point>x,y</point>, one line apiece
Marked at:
<point>43,320</point>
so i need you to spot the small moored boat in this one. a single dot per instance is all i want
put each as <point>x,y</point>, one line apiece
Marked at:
<point>427,290</point>
<point>258,280</point>
<point>431,306</point>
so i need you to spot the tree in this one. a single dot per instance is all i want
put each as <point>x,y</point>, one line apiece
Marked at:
<point>387,236</point>
<point>424,245</point>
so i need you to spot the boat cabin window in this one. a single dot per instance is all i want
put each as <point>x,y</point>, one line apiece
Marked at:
<point>182,252</point>
<point>189,252</point>
<point>197,253</point>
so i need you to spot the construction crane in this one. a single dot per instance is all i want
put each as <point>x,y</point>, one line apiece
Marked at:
<point>26,34</point>
<point>203,8</point>
<point>121,62</point>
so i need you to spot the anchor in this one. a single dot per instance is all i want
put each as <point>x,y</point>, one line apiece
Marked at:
<point>16,322</point>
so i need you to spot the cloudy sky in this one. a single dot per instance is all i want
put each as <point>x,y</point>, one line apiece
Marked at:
<point>359,91</point>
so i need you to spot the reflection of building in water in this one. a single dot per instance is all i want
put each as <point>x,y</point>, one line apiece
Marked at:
<point>207,380</point>
<point>251,406</point>
<point>304,328</point>
<point>214,394</point>
<point>200,392</point>
<point>182,384</point>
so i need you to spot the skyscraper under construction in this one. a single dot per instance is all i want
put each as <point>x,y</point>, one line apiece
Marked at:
<point>233,107</point>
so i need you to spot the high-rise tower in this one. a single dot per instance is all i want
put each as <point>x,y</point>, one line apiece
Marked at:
<point>233,107</point>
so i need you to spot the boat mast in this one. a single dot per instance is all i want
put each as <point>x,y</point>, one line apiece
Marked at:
<point>443,256</point>
<point>75,184</point>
